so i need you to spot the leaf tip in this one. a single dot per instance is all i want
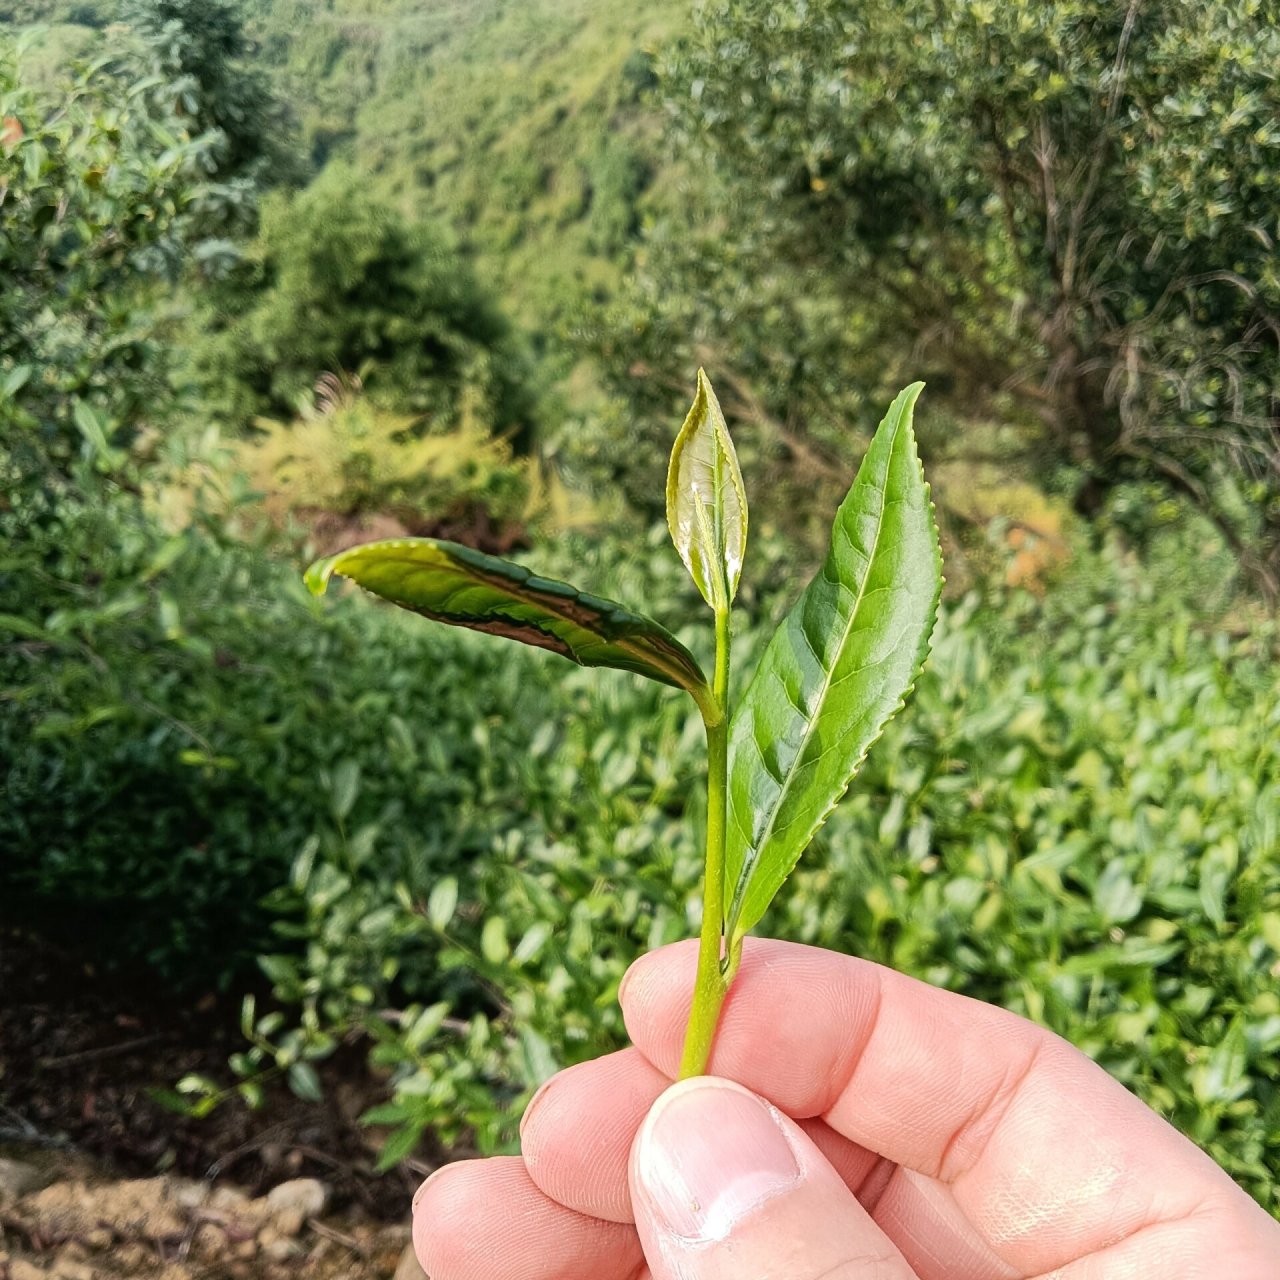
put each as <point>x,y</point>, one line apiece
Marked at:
<point>318,575</point>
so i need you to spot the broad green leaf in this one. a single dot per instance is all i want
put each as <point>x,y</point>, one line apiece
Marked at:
<point>706,503</point>
<point>836,670</point>
<point>451,583</point>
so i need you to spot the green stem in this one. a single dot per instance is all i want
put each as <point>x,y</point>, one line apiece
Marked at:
<point>711,985</point>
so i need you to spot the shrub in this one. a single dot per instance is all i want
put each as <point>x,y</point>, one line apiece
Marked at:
<point>341,282</point>
<point>1079,821</point>
<point>1062,214</point>
<point>459,851</point>
<point>351,458</point>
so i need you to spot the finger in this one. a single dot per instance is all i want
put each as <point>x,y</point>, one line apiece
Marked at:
<point>726,1187</point>
<point>485,1220</point>
<point>1047,1157</point>
<point>577,1133</point>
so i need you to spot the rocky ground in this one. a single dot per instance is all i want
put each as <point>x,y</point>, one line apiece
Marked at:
<point>65,1219</point>
<point>99,1179</point>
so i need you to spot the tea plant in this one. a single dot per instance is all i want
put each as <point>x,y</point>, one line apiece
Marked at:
<point>836,670</point>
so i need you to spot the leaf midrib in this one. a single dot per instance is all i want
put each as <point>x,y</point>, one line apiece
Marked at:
<point>749,865</point>
<point>530,598</point>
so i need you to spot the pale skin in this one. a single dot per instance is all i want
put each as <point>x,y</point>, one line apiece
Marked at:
<point>856,1124</point>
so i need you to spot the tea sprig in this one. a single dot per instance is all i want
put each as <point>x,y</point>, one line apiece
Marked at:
<point>839,666</point>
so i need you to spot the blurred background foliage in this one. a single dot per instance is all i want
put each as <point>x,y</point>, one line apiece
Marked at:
<point>283,275</point>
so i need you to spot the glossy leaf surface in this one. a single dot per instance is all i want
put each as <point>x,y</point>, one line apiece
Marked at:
<point>836,670</point>
<point>455,584</point>
<point>706,501</point>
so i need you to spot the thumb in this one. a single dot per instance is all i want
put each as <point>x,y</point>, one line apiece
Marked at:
<point>725,1187</point>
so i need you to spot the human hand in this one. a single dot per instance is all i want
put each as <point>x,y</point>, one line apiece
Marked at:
<point>908,1134</point>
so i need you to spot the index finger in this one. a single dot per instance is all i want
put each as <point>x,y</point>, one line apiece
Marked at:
<point>1049,1158</point>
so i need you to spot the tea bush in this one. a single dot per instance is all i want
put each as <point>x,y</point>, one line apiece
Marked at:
<point>457,847</point>
<point>1079,819</point>
<point>170,708</point>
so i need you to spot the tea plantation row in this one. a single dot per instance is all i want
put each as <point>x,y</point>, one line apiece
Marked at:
<point>458,846</point>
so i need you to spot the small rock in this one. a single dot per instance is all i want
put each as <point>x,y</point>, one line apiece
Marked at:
<point>410,1268</point>
<point>245,1249</point>
<point>100,1238</point>
<point>228,1198</point>
<point>289,1222</point>
<point>65,1268</point>
<point>17,1180</point>
<point>132,1258</point>
<point>189,1194</point>
<point>307,1196</point>
<point>22,1270</point>
<point>281,1250</point>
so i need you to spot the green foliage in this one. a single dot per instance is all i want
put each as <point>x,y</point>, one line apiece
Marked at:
<point>1066,212</point>
<point>169,710</point>
<point>201,58</point>
<point>1091,841</point>
<point>1075,818</point>
<point>521,125</point>
<point>455,851</point>
<point>349,457</point>
<point>339,282</point>
<point>98,192</point>
<point>838,668</point>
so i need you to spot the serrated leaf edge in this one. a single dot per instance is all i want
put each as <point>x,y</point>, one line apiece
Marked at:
<point>688,677</point>
<point>732,933</point>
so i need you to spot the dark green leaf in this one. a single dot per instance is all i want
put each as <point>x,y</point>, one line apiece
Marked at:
<point>385,1113</point>
<point>454,584</point>
<point>399,1145</point>
<point>706,501</point>
<point>304,1082</point>
<point>836,670</point>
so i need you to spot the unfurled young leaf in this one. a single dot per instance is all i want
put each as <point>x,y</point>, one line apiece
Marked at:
<point>454,584</point>
<point>706,501</point>
<point>837,668</point>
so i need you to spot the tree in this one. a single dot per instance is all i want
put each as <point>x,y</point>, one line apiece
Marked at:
<point>200,55</point>
<point>1072,206</point>
<point>339,282</point>
<point>97,194</point>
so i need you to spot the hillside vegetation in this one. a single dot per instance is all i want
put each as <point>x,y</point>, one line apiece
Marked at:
<point>519,123</point>
<point>284,275</point>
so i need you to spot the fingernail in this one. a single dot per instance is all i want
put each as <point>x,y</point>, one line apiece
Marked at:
<point>533,1103</point>
<point>709,1154</point>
